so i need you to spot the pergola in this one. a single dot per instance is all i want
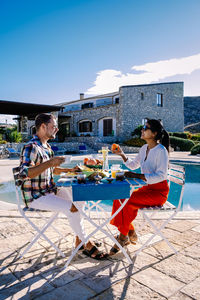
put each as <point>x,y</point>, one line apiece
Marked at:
<point>25,112</point>
<point>28,110</point>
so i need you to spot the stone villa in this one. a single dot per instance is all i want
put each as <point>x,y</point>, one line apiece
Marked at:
<point>114,116</point>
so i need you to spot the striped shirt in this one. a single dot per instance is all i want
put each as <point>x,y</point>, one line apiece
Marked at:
<point>33,154</point>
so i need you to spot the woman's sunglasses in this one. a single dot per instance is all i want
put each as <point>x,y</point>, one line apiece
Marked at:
<point>145,127</point>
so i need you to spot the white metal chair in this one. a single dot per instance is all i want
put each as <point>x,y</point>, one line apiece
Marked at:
<point>176,174</point>
<point>48,221</point>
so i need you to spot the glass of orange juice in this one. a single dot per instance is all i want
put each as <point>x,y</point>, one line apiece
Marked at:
<point>114,170</point>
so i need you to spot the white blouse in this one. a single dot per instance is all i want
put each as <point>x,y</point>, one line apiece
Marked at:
<point>155,167</point>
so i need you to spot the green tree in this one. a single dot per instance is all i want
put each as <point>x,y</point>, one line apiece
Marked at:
<point>13,136</point>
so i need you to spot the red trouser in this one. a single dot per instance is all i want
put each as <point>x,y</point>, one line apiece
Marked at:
<point>149,195</point>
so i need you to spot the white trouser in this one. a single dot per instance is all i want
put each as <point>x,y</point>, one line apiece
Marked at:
<point>62,202</point>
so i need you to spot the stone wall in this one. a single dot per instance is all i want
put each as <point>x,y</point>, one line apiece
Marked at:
<point>134,109</point>
<point>94,115</point>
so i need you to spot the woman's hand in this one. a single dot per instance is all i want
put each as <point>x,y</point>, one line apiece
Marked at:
<point>116,149</point>
<point>130,174</point>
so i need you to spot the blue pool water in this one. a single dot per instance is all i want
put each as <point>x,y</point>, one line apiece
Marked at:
<point>191,196</point>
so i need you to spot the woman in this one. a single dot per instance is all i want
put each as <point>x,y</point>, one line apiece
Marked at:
<point>153,160</point>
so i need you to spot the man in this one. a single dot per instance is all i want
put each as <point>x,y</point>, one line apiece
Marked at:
<point>39,191</point>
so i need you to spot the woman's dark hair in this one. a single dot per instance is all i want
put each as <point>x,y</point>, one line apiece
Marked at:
<point>42,118</point>
<point>162,134</point>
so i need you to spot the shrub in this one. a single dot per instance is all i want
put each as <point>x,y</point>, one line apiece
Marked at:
<point>181,144</point>
<point>135,142</point>
<point>137,131</point>
<point>182,135</point>
<point>196,137</point>
<point>196,149</point>
<point>2,142</point>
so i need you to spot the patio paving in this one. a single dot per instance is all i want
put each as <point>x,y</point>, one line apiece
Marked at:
<point>156,273</point>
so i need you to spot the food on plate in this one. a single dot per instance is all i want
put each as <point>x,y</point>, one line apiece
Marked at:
<point>92,162</point>
<point>69,174</point>
<point>85,160</point>
<point>96,173</point>
<point>115,147</point>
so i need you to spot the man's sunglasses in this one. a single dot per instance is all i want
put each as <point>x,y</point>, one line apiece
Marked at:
<point>145,127</point>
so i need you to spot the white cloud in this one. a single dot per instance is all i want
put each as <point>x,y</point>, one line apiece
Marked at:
<point>110,80</point>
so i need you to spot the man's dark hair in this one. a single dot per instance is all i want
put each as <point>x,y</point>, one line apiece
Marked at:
<point>42,118</point>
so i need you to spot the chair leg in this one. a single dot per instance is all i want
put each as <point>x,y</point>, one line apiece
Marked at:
<point>41,233</point>
<point>54,228</point>
<point>157,231</point>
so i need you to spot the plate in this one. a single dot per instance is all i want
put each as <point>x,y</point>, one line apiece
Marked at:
<point>94,167</point>
<point>70,174</point>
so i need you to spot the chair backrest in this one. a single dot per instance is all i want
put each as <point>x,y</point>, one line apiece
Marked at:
<point>18,182</point>
<point>176,174</point>
<point>82,147</point>
<point>11,150</point>
<point>54,148</point>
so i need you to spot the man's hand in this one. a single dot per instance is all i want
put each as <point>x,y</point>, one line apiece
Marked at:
<point>57,161</point>
<point>76,169</point>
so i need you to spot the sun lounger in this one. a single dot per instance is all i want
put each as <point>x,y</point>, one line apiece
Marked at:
<point>12,152</point>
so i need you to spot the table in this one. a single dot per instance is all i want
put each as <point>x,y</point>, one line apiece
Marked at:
<point>91,191</point>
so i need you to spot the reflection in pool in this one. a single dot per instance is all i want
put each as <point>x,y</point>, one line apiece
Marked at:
<point>191,196</point>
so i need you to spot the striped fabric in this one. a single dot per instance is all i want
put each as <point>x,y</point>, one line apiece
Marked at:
<point>33,154</point>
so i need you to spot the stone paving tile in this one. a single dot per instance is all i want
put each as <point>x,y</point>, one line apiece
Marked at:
<point>29,267</point>
<point>186,238</point>
<point>15,243</point>
<point>7,256</point>
<point>75,290</point>
<point>158,282</point>
<point>161,249</point>
<point>180,267</point>
<point>89,265</point>
<point>181,225</point>
<point>128,289</point>
<point>59,277</point>
<point>103,279</point>
<point>29,289</point>
<point>192,251</point>
<point>7,279</point>
<point>12,228</point>
<point>144,260</point>
<point>180,296</point>
<point>197,228</point>
<point>192,289</point>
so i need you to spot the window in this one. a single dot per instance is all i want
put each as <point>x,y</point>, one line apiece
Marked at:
<point>142,96</point>
<point>117,100</point>
<point>107,127</point>
<point>160,100</point>
<point>87,105</point>
<point>85,126</point>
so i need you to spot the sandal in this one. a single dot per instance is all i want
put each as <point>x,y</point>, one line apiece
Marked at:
<point>123,243</point>
<point>133,238</point>
<point>99,256</point>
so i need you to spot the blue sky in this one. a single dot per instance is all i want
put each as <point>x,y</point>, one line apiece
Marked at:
<point>50,51</point>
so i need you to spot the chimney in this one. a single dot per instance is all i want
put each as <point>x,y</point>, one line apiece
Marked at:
<point>81,96</point>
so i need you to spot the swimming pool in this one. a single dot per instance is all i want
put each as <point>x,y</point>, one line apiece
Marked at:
<point>191,196</point>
